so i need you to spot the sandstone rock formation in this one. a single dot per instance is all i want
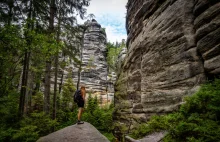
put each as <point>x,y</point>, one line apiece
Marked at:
<point>93,72</point>
<point>75,133</point>
<point>94,68</point>
<point>173,47</point>
<point>120,59</point>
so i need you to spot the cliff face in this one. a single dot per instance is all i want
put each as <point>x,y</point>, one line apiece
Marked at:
<point>173,47</point>
<point>94,68</point>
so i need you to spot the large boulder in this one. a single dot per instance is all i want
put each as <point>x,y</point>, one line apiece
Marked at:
<point>75,133</point>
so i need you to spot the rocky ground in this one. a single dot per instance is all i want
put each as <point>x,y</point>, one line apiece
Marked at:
<point>75,133</point>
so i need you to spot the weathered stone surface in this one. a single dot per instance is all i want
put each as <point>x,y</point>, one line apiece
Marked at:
<point>94,65</point>
<point>94,68</point>
<point>173,46</point>
<point>75,133</point>
<point>207,25</point>
<point>120,59</point>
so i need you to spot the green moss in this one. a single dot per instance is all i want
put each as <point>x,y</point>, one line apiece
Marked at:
<point>120,95</point>
<point>121,126</point>
<point>103,31</point>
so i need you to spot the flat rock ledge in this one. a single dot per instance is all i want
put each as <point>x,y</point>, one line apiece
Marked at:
<point>154,137</point>
<point>75,133</point>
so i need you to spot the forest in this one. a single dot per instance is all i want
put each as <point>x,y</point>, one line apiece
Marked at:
<point>34,34</point>
<point>39,39</point>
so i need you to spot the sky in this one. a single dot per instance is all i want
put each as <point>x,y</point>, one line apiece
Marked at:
<point>110,14</point>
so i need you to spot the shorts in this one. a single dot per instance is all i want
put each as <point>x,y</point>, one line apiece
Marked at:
<point>80,103</point>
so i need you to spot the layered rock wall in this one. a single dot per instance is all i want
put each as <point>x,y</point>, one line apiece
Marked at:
<point>173,47</point>
<point>94,67</point>
<point>92,54</point>
<point>207,27</point>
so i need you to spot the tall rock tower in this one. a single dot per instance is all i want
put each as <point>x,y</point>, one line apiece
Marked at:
<point>94,64</point>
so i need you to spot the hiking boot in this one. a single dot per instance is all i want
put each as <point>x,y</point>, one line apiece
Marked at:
<point>80,122</point>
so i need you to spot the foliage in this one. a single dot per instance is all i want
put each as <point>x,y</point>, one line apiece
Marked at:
<point>67,94</point>
<point>67,110</point>
<point>32,127</point>
<point>92,104</point>
<point>26,46</point>
<point>109,136</point>
<point>112,54</point>
<point>43,122</point>
<point>37,101</point>
<point>101,118</point>
<point>197,120</point>
<point>103,31</point>
<point>11,45</point>
<point>8,112</point>
<point>26,134</point>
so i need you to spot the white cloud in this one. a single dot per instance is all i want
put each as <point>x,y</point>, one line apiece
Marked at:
<point>113,35</point>
<point>107,6</point>
<point>111,15</point>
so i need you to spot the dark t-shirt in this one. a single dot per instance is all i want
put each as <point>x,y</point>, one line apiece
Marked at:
<point>81,103</point>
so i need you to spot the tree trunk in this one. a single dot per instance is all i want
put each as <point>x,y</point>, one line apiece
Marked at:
<point>61,79</point>
<point>30,27</point>
<point>56,70</point>
<point>10,12</point>
<point>48,63</point>
<point>79,75</point>
<point>55,87</point>
<point>61,83</point>
<point>81,52</point>
<point>47,88</point>
<point>24,83</point>
<point>27,86</point>
<point>37,85</point>
<point>30,92</point>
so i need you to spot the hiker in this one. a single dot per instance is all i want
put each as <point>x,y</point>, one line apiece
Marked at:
<point>79,98</point>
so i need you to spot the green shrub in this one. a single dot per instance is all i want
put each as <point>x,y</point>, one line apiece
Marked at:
<point>42,122</point>
<point>101,118</point>
<point>28,133</point>
<point>198,120</point>
<point>8,112</point>
<point>6,133</point>
<point>109,136</point>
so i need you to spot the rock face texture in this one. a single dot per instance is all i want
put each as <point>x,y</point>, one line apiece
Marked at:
<point>173,47</point>
<point>120,59</point>
<point>207,27</point>
<point>75,133</point>
<point>94,68</point>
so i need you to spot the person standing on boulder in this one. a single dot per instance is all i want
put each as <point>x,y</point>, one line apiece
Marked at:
<point>80,102</point>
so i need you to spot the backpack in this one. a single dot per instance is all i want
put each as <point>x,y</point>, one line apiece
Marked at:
<point>77,96</point>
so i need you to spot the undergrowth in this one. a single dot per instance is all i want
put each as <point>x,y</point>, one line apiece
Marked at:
<point>198,119</point>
